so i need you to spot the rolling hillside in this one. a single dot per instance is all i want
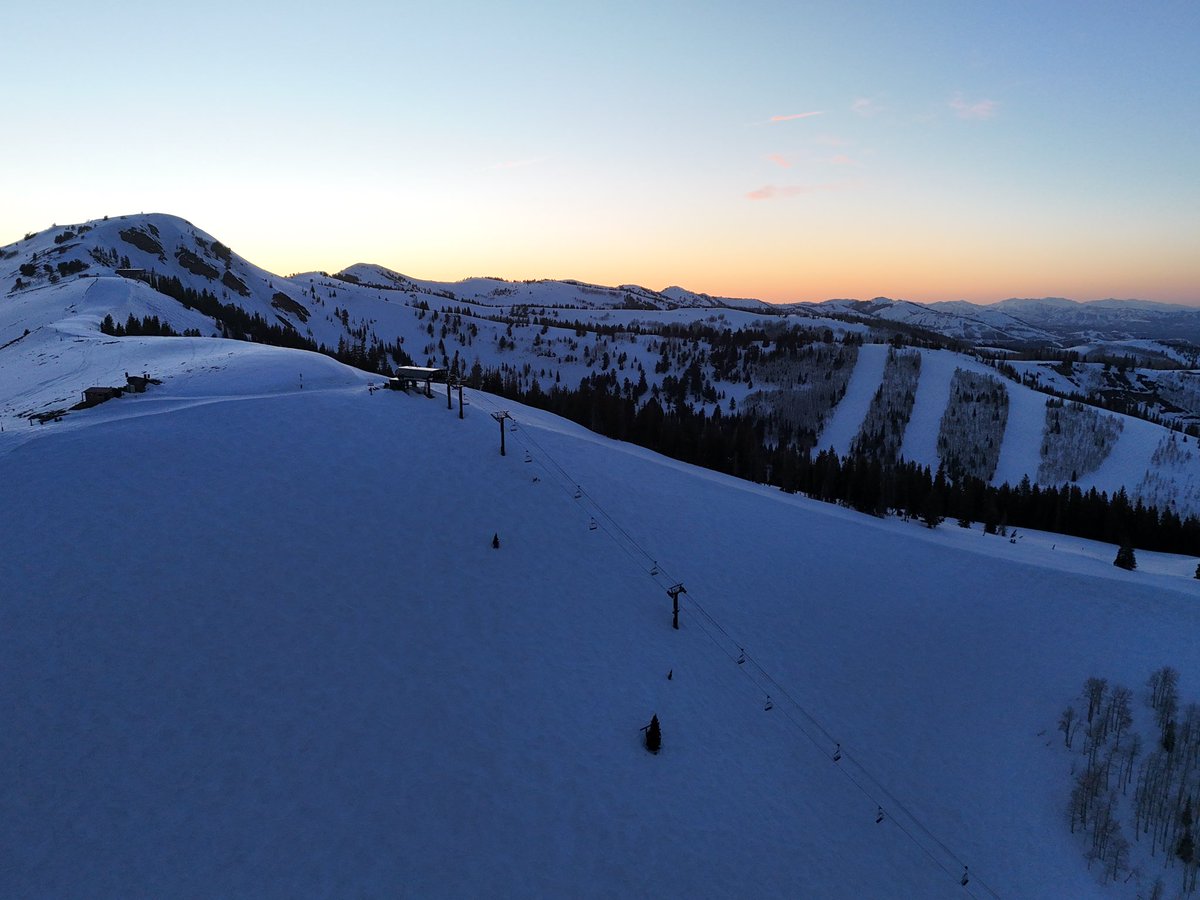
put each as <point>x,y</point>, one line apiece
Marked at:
<point>673,346</point>
<point>258,642</point>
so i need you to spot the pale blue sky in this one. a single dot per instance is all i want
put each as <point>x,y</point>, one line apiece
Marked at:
<point>958,150</point>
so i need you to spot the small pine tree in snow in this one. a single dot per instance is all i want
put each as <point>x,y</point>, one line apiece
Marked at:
<point>1125,558</point>
<point>1197,575</point>
<point>933,508</point>
<point>653,735</point>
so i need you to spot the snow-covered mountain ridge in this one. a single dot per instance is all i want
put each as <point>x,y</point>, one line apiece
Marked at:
<point>672,346</point>
<point>161,241</point>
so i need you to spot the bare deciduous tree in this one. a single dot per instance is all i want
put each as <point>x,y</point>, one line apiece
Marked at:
<point>1067,724</point>
<point>1093,691</point>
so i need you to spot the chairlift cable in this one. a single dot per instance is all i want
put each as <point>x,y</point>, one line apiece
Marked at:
<point>707,623</point>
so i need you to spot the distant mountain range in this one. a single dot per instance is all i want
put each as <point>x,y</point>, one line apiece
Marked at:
<point>167,244</point>
<point>1047,320</point>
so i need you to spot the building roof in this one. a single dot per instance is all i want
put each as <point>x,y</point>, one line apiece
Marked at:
<point>418,372</point>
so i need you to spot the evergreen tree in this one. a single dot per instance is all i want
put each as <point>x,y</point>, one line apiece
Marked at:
<point>653,735</point>
<point>931,508</point>
<point>1186,849</point>
<point>1168,736</point>
<point>1125,558</point>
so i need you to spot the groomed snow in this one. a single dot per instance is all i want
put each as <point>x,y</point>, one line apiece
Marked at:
<point>1021,451</point>
<point>1133,451</point>
<point>256,642</point>
<point>851,412</point>
<point>932,398</point>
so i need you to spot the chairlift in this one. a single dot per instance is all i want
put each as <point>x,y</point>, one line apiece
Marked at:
<point>741,660</point>
<point>592,526</point>
<point>528,456</point>
<point>769,705</point>
<point>965,879</point>
<point>879,816</point>
<point>512,424</point>
<point>654,569</point>
<point>837,754</point>
<point>578,492</point>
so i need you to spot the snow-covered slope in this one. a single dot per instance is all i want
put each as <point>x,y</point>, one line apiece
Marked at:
<point>171,245</point>
<point>1106,319</point>
<point>958,320</point>
<point>1172,395</point>
<point>848,417</point>
<point>1133,461</point>
<point>499,292</point>
<point>257,642</point>
<point>684,297</point>
<point>157,243</point>
<point>1053,321</point>
<point>543,332</point>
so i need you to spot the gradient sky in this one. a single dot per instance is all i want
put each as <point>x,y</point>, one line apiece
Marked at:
<point>787,151</point>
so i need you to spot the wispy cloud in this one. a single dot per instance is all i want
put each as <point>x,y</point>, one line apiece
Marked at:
<point>978,109</point>
<point>779,160</point>
<point>865,106</point>
<point>841,159</point>
<point>774,191</point>
<point>803,115</point>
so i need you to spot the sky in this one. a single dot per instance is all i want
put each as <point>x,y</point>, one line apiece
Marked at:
<point>785,151</point>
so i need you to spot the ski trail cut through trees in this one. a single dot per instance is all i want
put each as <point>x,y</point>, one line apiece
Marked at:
<point>848,418</point>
